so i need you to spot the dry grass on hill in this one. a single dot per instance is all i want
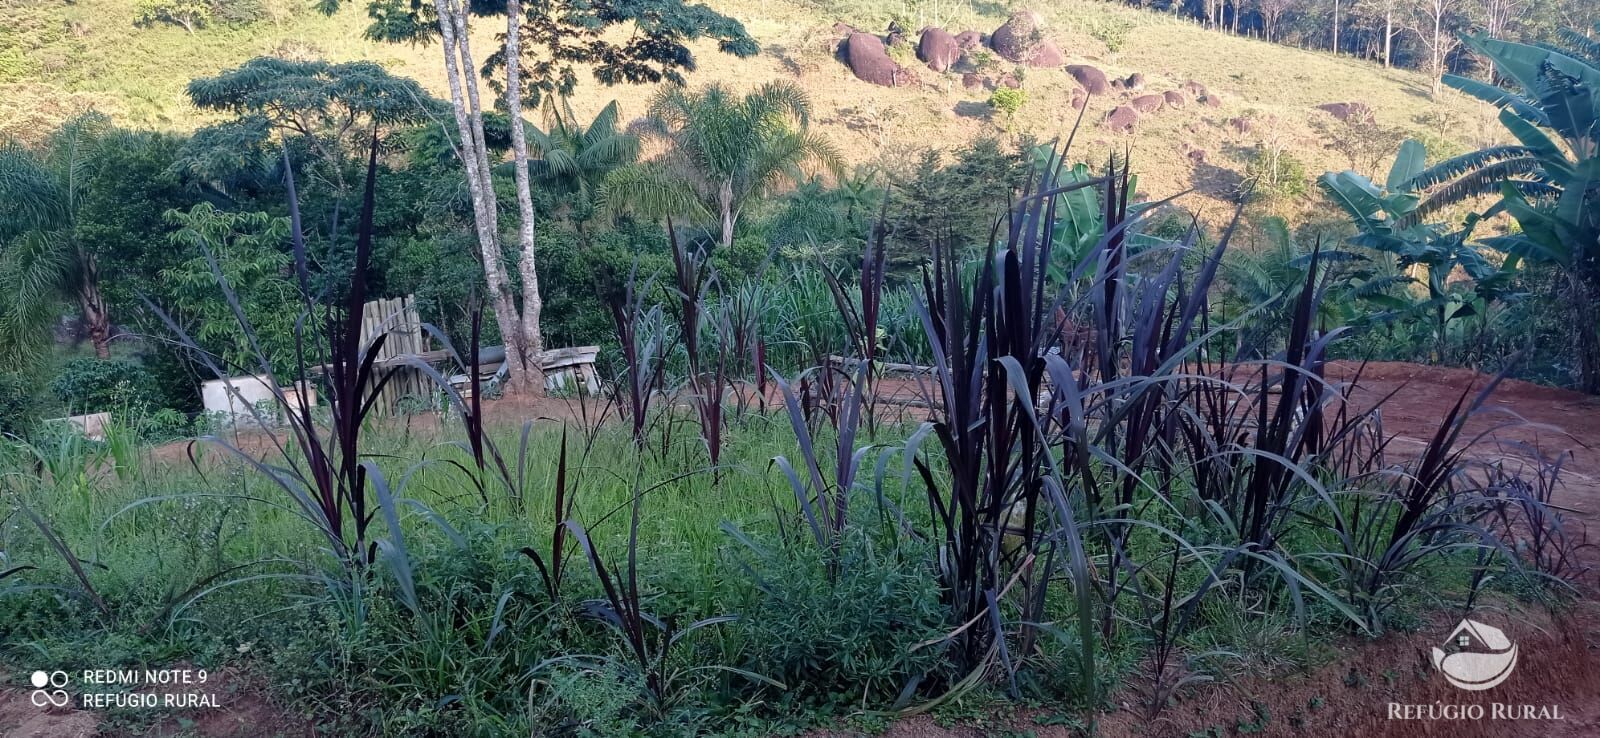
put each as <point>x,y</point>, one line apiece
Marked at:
<point>56,58</point>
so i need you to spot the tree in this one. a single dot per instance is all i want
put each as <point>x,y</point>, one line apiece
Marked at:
<point>1435,23</point>
<point>1384,11</point>
<point>41,199</point>
<point>1391,218</point>
<point>190,14</point>
<point>575,159</point>
<point>631,41</point>
<point>327,109</point>
<point>1271,12</point>
<point>723,152</point>
<point>247,249</point>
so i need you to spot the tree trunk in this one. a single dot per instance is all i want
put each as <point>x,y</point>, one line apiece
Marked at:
<point>1335,27</point>
<point>1438,56</point>
<point>725,202</point>
<point>532,339</point>
<point>1388,36</point>
<point>452,18</point>
<point>93,305</point>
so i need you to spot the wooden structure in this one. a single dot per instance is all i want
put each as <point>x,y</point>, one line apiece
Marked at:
<point>566,369</point>
<point>398,318</point>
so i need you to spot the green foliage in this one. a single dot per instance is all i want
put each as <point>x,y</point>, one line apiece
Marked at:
<point>960,200</point>
<point>840,639</point>
<point>724,151</point>
<point>95,385</point>
<point>571,161</point>
<point>1111,30</point>
<point>247,249</point>
<point>1550,188</point>
<point>19,403</point>
<point>1008,100</point>
<point>325,108</point>
<point>1274,174</point>
<point>190,14</point>
<point>41,258</point>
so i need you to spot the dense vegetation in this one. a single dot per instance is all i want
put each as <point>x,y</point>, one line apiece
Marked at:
<point>1127,436</point>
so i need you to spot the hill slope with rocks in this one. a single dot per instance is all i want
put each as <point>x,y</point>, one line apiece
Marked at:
<point>1193,106</point>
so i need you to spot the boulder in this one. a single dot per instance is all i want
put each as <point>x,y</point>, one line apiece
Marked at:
<point>969,40</point>
<point>1135,81</point>
<point>1122,119</point>
<point>1090,78</point>
<point>972,80</point>
<point>1242,125</point>
<point>1197,156</point>
<point>1195,89</point>
<point>843,29</point>
<point>1148,103</point>
<point>1350,111</point>
<point>1211,101</point>
<point>1174,99</point>
<point>938,49</point>
<point>867,58</point>
<point>1021,39</point>
<point>1046,54</point>
<point>1079,99</point>
<point>1007,80</point>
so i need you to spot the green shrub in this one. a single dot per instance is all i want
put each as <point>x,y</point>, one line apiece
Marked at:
<point>1111,31</point>
<point>840,639</point>
<point>1275,174</point>
<point>96,385</point>
<point>1008,100</point>
<point>19,404</point>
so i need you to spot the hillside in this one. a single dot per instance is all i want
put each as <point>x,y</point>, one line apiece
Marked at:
<point>57,57</point>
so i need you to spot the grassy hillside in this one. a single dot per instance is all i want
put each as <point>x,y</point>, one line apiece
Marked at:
<point>57,57</point>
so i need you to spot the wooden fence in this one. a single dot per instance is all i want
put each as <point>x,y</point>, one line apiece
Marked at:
<point>397,317</point>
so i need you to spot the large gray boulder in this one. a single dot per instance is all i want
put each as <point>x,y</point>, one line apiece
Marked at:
<point>938,49</point>
<point>869,60</point>
<point>1021,39</point>
<point>1123,119</point>
<point>1089,78</point>
<point>1148,103</point>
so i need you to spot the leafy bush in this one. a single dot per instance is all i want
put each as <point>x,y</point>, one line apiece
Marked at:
<point>19,404</point>
<point>1008,100</point>
<point>1275,174</point>
<point>846,636</point>
<point>1111,31</point>
<point>95,385</point>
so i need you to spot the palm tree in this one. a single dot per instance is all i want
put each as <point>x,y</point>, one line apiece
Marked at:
<point>575,159</point>
<point>724,151</point>
<point>42,259</point>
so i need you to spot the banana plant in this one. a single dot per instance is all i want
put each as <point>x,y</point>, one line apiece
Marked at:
<point>1391,218</point>
<point>1549,181</point>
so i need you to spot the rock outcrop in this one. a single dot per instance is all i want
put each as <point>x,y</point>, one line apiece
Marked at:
<point>1091,79</point>
<point>1021,39</point>
<point>1123,119</point>
<point>869,60</point>
<point>1347,111</point>
<point>1147,103</point>
<point>938,49</point>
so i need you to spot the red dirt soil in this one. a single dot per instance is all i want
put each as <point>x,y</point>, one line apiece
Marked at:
<point>1558,663</point>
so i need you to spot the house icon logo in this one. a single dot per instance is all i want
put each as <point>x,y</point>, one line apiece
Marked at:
<point>1481,656</point>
